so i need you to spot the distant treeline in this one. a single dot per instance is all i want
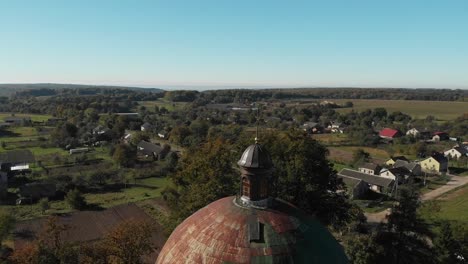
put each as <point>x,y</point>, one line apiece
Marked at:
<point>73,102</point>
<point>239,96</point>
<point>51,89</point>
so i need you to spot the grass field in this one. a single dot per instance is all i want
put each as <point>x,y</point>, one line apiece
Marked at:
<point>142,190</point>
<point>452,206</point>
<point>34,117</point>
<point>442,110</point>
<point>344,154</point>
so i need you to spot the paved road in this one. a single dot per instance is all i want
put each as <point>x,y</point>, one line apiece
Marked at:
<point>455,182</point>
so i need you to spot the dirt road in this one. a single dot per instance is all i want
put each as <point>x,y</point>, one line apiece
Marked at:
<point>455,182</point>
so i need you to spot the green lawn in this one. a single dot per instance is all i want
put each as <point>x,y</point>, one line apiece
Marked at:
<point>144,189</point>
<point>434,182</point>
<point>452,206</point>
<point>442,110</point>
<point>34,117</point>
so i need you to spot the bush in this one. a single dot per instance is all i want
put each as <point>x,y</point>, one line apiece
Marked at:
<point>75,199</point>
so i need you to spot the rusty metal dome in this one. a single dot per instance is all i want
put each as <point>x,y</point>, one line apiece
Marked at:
<point>256,157</point>
<point>224,232</point>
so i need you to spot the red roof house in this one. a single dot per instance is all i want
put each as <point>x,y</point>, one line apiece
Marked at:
<point>389,133</point>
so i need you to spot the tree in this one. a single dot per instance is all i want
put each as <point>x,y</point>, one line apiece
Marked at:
<point>129,241</point>
<point>449,249</point>
<point>304,177</point>
<point>75,199</point>
<point>44,205</point>
<point>124,155</point>
<point>205,176</point>
<point>172,160</point>
<point>361,249</point>
<point>404,237</point>
<point>360,156</point>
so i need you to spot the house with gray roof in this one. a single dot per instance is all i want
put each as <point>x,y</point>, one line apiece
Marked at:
<point>375,183</point>
<point>16,160</point>
<point>149,149</point>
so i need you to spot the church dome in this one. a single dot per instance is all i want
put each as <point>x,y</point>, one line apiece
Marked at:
<point>224,232</point>
<point>255,156</point>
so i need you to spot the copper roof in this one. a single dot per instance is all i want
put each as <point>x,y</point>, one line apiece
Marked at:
<point>255,156</point>
<point>223,232</point>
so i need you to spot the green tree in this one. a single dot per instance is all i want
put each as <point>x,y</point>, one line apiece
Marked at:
<point>205,176</point>
<point>404,238</point>
<point>124,155</point>
<point>361,249</point>
<point>360,156</point>
<point>304,177</point>
<point>44,205</point>
<point>449,249</point>
<point>75,199</point>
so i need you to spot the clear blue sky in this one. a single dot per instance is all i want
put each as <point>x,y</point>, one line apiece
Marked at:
<point>410,43</point>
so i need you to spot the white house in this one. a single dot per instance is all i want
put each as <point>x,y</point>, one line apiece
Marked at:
<point>370,168</point>
<point>412,132</point>
<point>456,152</point>
<point>146,127</point>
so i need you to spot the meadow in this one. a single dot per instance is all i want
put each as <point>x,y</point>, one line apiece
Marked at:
<point>140,190</point>
<point>34,117</point>
<point>452,206</point>
<point>441,110</point>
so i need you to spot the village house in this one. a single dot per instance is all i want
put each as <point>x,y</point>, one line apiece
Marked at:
<point>312,128</point>
<point>162,134</point>
<point>392,160</point>
<point>389,133</point>
<point>100,130</point>
<point>419,133</point>
<point>35,191</point>
<point>53,121</point>
<point>370,168</point>
<point>17,121</point>
<point>146,127</point>
<point>437,163</point>
<point>355,188</point>
<point>16,161</point>
<point>336,127</point>
<point>5,125</point>
<point>456,152</point>
<point>440,136</point>
<point>413,167</point>
<point>400,173</point>
<point>127,136</point>
<point>78,151</point>
<point>149,149</point>
<point>374,182</point>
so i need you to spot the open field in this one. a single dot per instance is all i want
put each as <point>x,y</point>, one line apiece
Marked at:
<point>171,106</point>
<point>34,117</point>
<point>442,110</point>
<point>143,189</point>
<point>452,206</point>
<point>344,154</point>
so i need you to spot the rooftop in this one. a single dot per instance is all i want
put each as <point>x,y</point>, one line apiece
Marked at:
<point>371,179</point>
